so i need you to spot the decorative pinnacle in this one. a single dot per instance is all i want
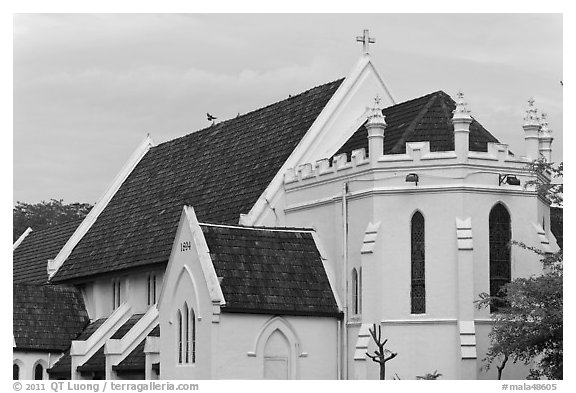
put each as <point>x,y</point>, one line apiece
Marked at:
<point>531,118</point>
<point>461,111</point>
<point>375,116</point>
<point>544,129</point>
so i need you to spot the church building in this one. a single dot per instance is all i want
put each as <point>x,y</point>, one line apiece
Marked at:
<point>266,246</point>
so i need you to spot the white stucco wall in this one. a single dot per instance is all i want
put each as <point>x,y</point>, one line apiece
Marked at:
<point>28,360</point>
<point>98,295</point>
<point>238,352</point>
<point>379,193</point>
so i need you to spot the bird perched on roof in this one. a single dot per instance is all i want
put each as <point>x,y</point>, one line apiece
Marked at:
<point>210,117</point>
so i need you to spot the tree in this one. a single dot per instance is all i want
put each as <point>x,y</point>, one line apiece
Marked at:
<point>528,326</point>
<point>381,355</point>
<point>45,214</point>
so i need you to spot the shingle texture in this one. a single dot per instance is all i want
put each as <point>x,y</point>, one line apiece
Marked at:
<point>30,259</point>
<point>63,366</point>
<point>220,170</point>
<point>267,271</point>
<point>47,317</point>
<point>427,118</point>
<point>557,224</point>
<point>136,360</point>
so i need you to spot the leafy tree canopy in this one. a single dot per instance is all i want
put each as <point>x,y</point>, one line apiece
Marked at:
<point>43,215</point>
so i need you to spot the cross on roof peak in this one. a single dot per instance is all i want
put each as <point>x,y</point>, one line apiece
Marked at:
<point>366,40</point>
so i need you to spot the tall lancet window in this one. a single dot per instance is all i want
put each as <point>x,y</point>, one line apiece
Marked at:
<point>417,290</point>
<point>500,237</point>
<point>355,290</point>
<point>193,329</point>
<point>360,290</point>
<point>186,334</point>
<point>179,318</point>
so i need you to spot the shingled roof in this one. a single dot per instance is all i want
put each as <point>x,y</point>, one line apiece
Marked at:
<point>30,258</point>
<point>427,118</point>
<point>47,317</point>
<point>270,271</point>
<point>220,170</point>
<point>223,169</point>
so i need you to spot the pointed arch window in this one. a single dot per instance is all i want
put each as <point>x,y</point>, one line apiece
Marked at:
<point>355,286</point>
<point>179,318</point>
<point>193,333</point>
<point>499,239</point>
<point>360,290</point>
<point>38,372</point>
<point>186,335</point>
<point>417,288</point>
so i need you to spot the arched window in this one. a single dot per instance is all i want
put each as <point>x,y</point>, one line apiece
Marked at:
<point>360,290</point>
<point>499,238</point>
<point>186,334</point>
<point>417,289</point>
<point>354,291</point>
<point>193,328</point>
<point>179,317</point>
<point>38,372</point>
<point>15,372</point>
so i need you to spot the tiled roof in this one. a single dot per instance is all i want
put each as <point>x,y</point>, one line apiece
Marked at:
<point>136,360</point>
<point>557,224</point>
<point>30,259</point>
<point>427,118</point>
<point>64,364</point>
<point>270,271</point>
<point>47,317</point>
<point>220,170</point>
<point>98,361</point>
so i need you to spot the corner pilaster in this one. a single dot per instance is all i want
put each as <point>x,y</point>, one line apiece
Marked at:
<point>466,326</point>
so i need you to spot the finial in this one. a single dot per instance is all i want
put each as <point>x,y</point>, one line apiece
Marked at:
<point>375,115</point>
<point>544,129</point>
<point>531,118</point>
<point>461,111</point>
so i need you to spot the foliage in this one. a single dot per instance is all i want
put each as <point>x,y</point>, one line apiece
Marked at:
<point>553,190</point>
<point>431,376</point>
<point>43,215</point>
<point>528,326</point>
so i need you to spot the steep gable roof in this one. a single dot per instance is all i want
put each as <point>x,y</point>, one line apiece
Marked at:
<point>270,271</point>
<point>30,258</point>
<point>220,170</point>
<point>47,317</point>
<point>427,118</point>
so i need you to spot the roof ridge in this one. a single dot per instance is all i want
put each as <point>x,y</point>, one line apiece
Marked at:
<point>222,123</point>
<point>259,228</point>
<point>434,93</point>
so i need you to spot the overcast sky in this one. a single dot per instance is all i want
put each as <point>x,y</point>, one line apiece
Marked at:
<point>89,87</point>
